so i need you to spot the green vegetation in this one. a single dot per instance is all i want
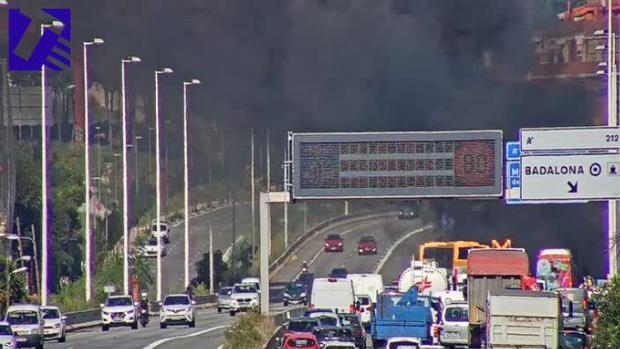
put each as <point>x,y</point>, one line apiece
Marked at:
<point>250,331</point>
<point>18,284</point>
<point>607,330</point>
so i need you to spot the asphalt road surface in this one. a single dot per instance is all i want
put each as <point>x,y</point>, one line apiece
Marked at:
<point>221,219</point>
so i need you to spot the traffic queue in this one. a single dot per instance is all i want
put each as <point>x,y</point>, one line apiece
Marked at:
<point>455,294</point>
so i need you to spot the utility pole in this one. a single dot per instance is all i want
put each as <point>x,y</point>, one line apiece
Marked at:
<point>36,260</point>
<point>612,121</point>
<point>268,164</point>
<point>234,234</point>
<point>211,273</point>
<point>253,190</point>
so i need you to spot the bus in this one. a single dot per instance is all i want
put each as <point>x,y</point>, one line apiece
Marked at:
<point>448,254</point>
<point>554,266</point>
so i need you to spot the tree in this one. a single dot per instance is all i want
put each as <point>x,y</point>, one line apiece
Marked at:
<point>18,285</point>
<point>607,330</point>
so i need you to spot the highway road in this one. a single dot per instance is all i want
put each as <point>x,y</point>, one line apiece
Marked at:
<point>172,264</point>
<point>210,326</point>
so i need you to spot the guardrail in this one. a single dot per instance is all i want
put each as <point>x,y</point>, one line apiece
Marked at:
<point>332,222</point>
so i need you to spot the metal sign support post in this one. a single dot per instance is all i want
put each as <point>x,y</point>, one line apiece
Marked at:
<point>265,241</point>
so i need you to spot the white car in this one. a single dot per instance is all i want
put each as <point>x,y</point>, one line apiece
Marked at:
<point>454,324</point>
<point>119,311</point>
<point>243,297</point>
<point>403,343</point>
<point>163,231</point>
<point>26,324</point>
<point>150,248</point>
<point>254,281</point>
<point>338,345</point>
<point>54,324</point>
<point>177,309</point>
<point>7,339</point>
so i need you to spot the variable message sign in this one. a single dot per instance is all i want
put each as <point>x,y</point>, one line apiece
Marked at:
<point>397,164</point>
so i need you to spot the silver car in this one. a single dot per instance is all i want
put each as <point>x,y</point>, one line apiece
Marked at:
<point>223,299</point>
<point>455,324</point>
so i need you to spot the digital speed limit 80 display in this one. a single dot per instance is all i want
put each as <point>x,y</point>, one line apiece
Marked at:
<point>402,164</point>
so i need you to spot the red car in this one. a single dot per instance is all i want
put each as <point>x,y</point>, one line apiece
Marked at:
<point>367,245</point>
<point>300,341</point>
<point>334,243</point>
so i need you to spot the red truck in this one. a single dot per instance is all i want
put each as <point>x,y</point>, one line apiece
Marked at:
<point>491,269</point>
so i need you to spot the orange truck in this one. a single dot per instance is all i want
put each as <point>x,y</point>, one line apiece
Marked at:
<point>491,270</point>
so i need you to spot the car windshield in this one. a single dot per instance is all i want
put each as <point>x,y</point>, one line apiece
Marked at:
<point>327,332</point>
<point>51,314</point>
<point>301,343</point>
<point>367,239</point>
<point>364,300</point>
<point>162,227</point>
<point>295,287</point>
<point>5,330</point>
<point>457,314</point>
<point>402,345</point>
<point>572,340</point>
<point>26,317</point>
<point>328,321</point>
<point>349,320</point>
<point>226,290</point>
<point>176,300</point>
<point>119,302</point>
<point>245,289</point>
<point>333,237</point>
<point>302,326</point>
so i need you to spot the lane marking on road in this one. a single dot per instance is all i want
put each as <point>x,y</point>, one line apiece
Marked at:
<point>195,334</point>
<point>388,254</point>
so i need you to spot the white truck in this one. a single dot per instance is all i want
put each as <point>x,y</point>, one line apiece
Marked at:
<point>426,275</point>
<point>366,288</point>
<point>335,294</point>
<point>522,319</point>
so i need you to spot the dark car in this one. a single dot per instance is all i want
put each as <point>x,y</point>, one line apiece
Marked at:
<point>408,211</point>
<point>574,340</point>
<point>367,245</point>
<point>352,322</point>
<point>339,273</point>
<point>333,333</point>
<point>302,325</point>
<point>334,243</point>
<point>295,293</point>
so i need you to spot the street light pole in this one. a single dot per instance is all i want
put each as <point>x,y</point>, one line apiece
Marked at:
<point>135,155</point>
<point>158,177</point>
<point>8,282</point>
<point>44,179</point>
<point>186,177</point>
<point>125,186</point>
<point>612,121</point>
<point>87,232</point>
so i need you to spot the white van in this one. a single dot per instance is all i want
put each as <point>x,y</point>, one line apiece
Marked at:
<point>26,322</point>
<point>367,284</point>
<point>333,293</point>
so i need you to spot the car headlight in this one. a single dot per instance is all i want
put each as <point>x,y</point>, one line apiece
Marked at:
<point>286,294</point>
<point>130,311</point>
<point>105,313</point>
<point>340,244</point>
<point>303,294</point>
<point>326,244</point>
<point>56,325</point>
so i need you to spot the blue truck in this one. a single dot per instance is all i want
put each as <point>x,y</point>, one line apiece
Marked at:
<point>402,315</point>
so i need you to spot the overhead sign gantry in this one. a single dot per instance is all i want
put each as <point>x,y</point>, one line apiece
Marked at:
<point>396,165</point>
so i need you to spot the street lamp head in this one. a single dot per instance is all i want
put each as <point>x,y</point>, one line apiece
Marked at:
<point>167,70</point>
<point>25,258</point>
<point>132,59</point>
<point>19,270</point>
<point>192,82</point>
<point>600,47</point>
<point>9,236</point>
<point>98,41</point>
<point>138,138</point>
<point>600,32</point>
<point>57,24</point>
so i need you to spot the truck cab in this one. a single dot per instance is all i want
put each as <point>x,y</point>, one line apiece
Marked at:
<point>402,315</point>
